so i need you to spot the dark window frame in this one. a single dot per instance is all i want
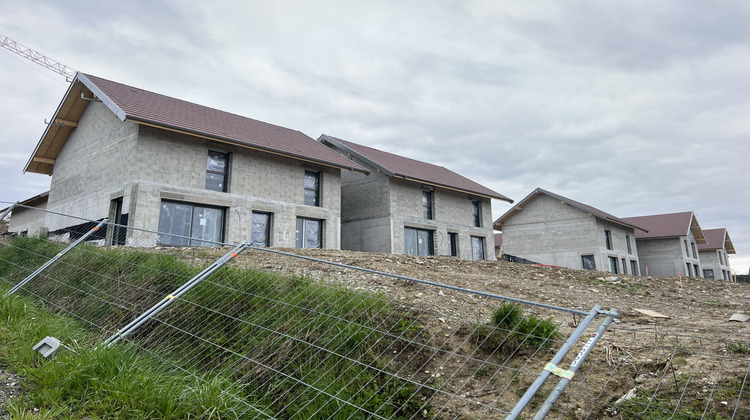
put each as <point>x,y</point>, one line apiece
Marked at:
<point>302,240</point>
<point>614,265</point>
<point>627,239</point>
<point>590,259</point>
<point>312,199</point>
<point>482,248</point>
<point>428,201</point>
<point>268,228</point>
<point>476,212</point>
<point>695,253</point>
<point>453,244</point>
<point>608,239</point>
<point>427,234</point>
<point>189,240</point>
<point>634,267</point>
<point>223,174</point>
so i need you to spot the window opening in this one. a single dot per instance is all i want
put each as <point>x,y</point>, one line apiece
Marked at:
<point>309,233</point>
<point>477,248</point>
<point>427,204</point>
<point>476,212</point>
<point>312,188</point>
<point>216,171</point>
<point>608,238</point>
<point>613,265</point>
<point>418,242</point>
<point>185,224</point>
<point>588,262</point>
<point>453,242</point>
<point>260,234</point>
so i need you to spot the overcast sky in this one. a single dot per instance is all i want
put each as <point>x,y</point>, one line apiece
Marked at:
<point>636,107</point>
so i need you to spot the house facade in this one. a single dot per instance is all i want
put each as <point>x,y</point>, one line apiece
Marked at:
<point>550,229</point>
<point>195,174</point>
<point>669,245</point>
<point>714,256</point>
<point>404,206</point>
<point>25,221</point>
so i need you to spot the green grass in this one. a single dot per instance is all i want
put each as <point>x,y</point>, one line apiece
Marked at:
<point>510,329</point>
<point>283,322</point>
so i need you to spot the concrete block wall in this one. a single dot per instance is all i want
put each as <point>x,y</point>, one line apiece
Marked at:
<point>365,212</point>
<point>106,158</point>
<point>710,261</point>
<point>550,231</point>
<point>666,257</point>
<point>173,167</point>
<point>452,212</point>
<point>29,220</point>
<point>95,163</point>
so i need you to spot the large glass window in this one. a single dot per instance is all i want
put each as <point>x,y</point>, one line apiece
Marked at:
<point>418,242</point>
<point>453,243</point>
<point>185,224</point>
<point>427,204</point>
<point>477,248</point>
<point>476,213</point>
<point>216,171</point>
<point>309,233</point>
<point>312,188</point>
<point>633,267</point>
<point>696,270</point>
<point>608,239</point>
<point>261,229</point>
<point>588,262</point>
<point>689,271</point>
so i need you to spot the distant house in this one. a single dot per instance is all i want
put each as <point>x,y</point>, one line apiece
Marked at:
<point>669,244</point>
<point>25,221</point>
<point>547,228</point>
<point>196,174</point>
<point>498,245</point>
<point>713,254</point>
<point>405,206</point>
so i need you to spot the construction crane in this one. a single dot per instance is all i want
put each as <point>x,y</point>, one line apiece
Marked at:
<point>37,57</point>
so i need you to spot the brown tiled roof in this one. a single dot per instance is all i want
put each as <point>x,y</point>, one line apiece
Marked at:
<point>144,107</point>
<point>668,226</point>
<point>717,239</point>
<point>411,169</point>
<point>498,224</point>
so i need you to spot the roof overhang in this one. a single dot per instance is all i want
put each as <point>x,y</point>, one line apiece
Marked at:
<point>696,230</point>
<point>64,121</point>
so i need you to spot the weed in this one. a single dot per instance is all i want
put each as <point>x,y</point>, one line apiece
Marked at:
<point>739,347</point>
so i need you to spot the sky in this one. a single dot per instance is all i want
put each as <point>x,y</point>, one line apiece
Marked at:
<point>636,107</point>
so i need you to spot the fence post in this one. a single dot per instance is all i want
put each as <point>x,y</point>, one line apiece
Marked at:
<point>55,258</point>
<point>10,209</point>
<point>526,398</point>
<point>568,376</point>
<point>167,300</point>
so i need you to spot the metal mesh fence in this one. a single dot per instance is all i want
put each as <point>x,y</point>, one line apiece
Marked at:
<point>297,337</point>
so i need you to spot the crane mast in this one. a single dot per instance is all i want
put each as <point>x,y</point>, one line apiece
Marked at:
<point>36,57</point>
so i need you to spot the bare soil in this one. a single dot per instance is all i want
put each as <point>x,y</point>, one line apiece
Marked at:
<point>695,308</point>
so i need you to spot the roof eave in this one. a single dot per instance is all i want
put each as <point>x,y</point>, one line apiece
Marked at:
<point>450,187</point>
<point>151,123</point>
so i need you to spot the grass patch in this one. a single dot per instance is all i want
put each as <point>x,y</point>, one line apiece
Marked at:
<point>278,344</point>
<point>511,329</point>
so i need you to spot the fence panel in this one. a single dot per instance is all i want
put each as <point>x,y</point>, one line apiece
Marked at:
<point>307,338</point>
